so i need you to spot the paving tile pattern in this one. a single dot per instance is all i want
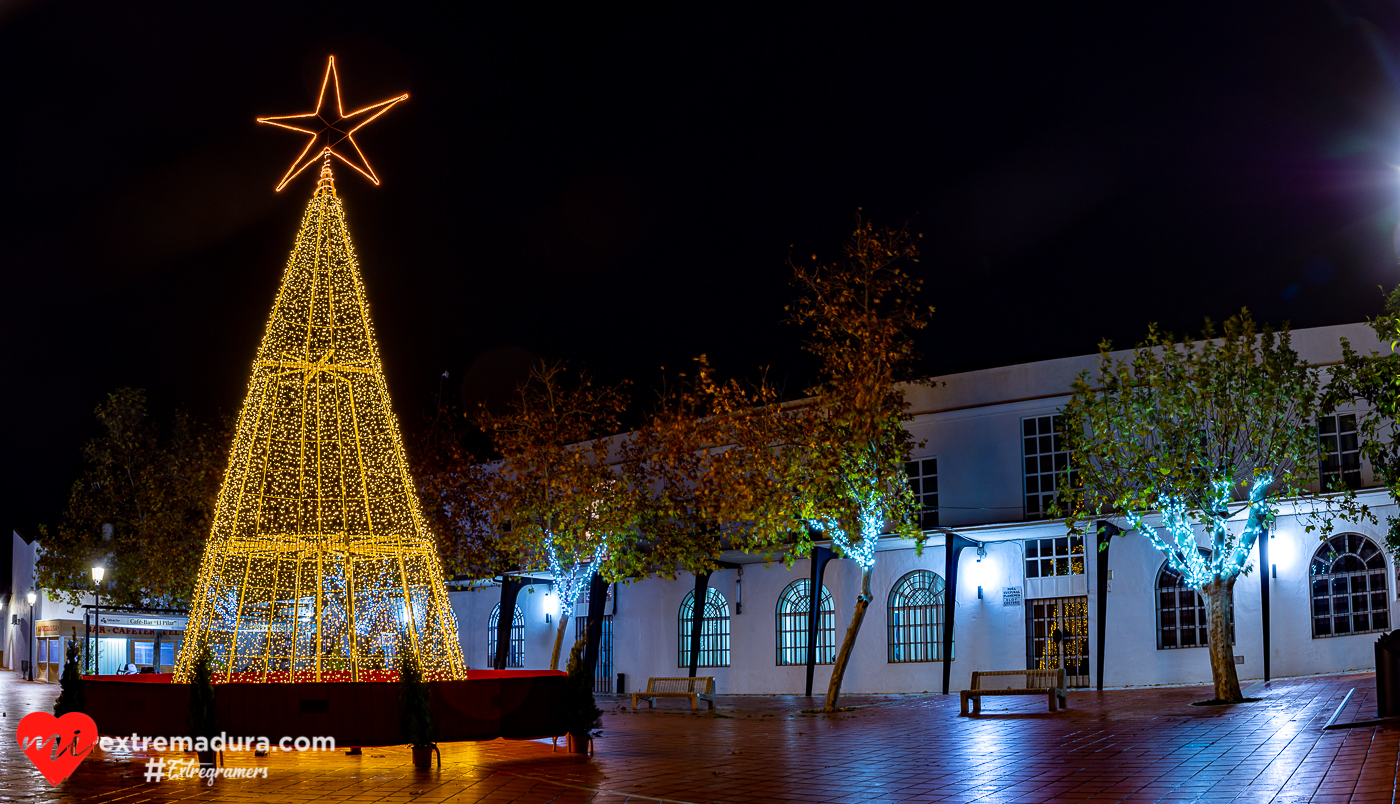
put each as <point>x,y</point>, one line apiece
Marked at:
<point>1117,746</point>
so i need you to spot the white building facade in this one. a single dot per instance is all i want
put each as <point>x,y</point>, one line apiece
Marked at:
<point>1030,597</point>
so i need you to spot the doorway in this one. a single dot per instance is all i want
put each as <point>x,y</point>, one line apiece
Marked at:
<point>1057,635</point>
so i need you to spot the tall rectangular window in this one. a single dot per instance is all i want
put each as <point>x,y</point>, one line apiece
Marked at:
<point>1340,466</point>
<point>923,481</point>
<point>1045,458</point>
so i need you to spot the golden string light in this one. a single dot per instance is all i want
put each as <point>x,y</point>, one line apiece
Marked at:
<point>329,131</point>
<point>319,565</point>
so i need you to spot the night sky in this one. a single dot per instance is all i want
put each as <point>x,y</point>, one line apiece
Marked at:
<point>621,188</point>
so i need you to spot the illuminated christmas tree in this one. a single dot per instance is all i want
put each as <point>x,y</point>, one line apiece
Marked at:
<point>319,566</point>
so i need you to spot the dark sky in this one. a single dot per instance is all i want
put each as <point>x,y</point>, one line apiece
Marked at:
<point>621,188</point>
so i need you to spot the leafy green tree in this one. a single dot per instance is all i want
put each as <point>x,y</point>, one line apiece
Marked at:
<point>558,491</point>
<point>1198,433</point>
<point>861,314</point>
<point>1374,378</point>
<point>143,507</point>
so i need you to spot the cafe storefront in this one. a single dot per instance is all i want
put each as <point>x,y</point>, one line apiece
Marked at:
<point>120,642</point>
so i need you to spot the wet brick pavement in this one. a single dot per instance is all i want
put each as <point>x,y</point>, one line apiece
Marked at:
<point>1118,746</point>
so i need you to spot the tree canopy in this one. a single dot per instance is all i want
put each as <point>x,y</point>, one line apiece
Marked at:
<point>142,507</point>
<point>1198,432</point>
<point>1373,378</point>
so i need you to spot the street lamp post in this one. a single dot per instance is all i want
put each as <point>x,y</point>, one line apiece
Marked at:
<point>97,573</point>
<point>33,597</point>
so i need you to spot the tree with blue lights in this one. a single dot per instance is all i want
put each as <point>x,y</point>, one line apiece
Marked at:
<point>1196,444</point>
<point>861,315</point>
<point>555,484</point>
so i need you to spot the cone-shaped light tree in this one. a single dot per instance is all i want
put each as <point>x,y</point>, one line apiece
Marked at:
<point>319,565</point>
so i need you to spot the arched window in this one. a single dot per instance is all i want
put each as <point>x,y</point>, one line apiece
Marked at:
<point>517,638</point>
<point>1349,593</point>
<point>1182,620</point>
<point>793,605</point>
<point>714,630</point>
<point>916,618</point>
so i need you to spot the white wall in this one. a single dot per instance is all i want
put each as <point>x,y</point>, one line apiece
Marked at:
<point>989,635</point>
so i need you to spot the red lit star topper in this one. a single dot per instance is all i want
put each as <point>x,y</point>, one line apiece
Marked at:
<point>329,128</point>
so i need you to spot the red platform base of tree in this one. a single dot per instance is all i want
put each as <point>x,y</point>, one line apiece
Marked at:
<point>516,704</point>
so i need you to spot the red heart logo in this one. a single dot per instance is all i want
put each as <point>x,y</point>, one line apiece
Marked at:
<point>73,735</point>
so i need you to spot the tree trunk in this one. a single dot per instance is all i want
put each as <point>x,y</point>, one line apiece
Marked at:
<point>1218,594</point>
<point>558,640</point>
<point>838,672</point>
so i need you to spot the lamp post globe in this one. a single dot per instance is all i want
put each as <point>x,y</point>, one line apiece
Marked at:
<point>32,597</point>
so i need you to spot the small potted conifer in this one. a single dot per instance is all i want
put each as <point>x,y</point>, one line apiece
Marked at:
<point>204,708</point>
<point>415,716</point>
<point>72,698</point>
<point>582,718</point>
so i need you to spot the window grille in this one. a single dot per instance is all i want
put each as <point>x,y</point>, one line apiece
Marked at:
<point>714,630</point>
<point>915,618</point>
<point>1182,618</point>
<point>793,606</point>
<point>1349,591</point>
<point>923,481</point>
<point>1340,466</point>
<point>1047,558</point>
<point>1045,459</point>
<point>517,638</point>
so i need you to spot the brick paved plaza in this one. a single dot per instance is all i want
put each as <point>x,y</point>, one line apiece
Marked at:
<point>1122,745</point>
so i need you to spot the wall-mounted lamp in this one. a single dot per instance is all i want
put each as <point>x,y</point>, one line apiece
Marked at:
<point>551,602</point>
<point>979,593</point>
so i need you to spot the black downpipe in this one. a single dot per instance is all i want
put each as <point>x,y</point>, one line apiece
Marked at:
<point>820,555</point>
<point>952,548</point>
<point>597,601</point>
<point>510,590</point>
<point>1104,534</point>
<point>1267,570</point>
<point>697,616</point>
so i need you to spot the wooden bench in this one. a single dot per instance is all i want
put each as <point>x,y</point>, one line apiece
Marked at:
<point>1050,683</point>
<point>701,688</point>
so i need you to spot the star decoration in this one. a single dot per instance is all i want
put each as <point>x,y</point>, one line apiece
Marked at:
<point>330,129</point>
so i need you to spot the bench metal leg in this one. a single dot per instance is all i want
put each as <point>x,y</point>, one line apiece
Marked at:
<point>1064,699</point>
<point>694,707</point>
<point>1052,697</point>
